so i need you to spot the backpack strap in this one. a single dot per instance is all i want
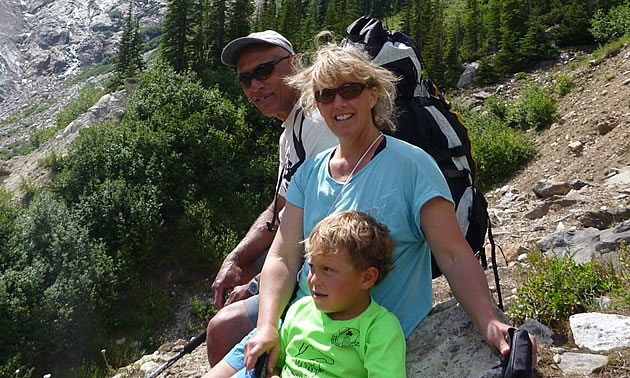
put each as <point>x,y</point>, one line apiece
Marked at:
<point>288,172</point>
<point>297,143</point>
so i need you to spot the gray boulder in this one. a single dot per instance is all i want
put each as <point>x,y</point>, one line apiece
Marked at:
<point>548,188</point>
<point>447,344</point>
<point>470,73</point>
<point>600,332</point>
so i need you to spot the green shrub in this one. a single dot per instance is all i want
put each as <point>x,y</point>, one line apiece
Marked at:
<point>608,50</point>
<point>17,148</point>
<point>623,294</point>
<point>167,189</point>
<point>557,287</point>
<point>562,83</point>
<point>56,285</point>
<point>496,106</point>
<point>535,107</point>
<point>498,149</point>
<point>8,214</point>
<point>613,25</point>
<point>202,310</point>
<point>520,76</point>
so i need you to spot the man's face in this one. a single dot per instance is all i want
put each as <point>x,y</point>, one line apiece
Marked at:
<point>271,95</point>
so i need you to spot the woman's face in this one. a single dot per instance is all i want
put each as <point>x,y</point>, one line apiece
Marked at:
<point>348,117</point>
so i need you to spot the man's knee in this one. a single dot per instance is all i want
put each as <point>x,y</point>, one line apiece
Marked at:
<point>226,329</point>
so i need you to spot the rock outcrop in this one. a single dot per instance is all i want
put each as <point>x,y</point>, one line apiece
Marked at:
<point>44,37</point>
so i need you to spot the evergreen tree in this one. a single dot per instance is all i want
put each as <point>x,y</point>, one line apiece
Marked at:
<point>407,20</point>
<point>472,32</point>
<point>309,27</point>
<point>216,15</point>
<point>434,45</point>
<point>450,60</point>
<point>535,45</point>
<point>350,11</point>
<point>289,17</point>
<point>266,15</point>
<point>513,23</point>
<point>574,26</point>
<point>415,31</point>
<point>176,37</point>
<point>239,17</point>
<point>491,19</point>
<point>129,60</point>
<point>340,14</point>
<point>198,47</point>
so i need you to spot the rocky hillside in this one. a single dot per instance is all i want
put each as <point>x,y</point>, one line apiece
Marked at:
<point>44,44</point>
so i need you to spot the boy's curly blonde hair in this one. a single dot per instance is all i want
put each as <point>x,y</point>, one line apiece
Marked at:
<point>367,242</point>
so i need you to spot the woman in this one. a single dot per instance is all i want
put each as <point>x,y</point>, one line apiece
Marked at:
<point>396,183</point>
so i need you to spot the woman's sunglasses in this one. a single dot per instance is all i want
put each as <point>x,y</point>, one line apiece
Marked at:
<point>347,91</point>
<point>261,72</point>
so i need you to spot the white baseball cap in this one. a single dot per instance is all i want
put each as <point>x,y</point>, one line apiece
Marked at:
<point>232,50</point>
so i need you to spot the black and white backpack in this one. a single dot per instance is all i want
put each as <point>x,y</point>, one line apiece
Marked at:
<point>424,119</point>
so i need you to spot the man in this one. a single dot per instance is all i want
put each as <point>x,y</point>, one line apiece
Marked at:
<point>262,60</point>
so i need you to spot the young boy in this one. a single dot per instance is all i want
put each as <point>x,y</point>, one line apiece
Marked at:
<point>339,331</point>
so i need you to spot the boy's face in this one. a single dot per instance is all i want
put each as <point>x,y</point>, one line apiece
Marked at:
<point>337,287</point>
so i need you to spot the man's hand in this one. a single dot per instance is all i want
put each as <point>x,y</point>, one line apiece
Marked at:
<point>228,277</point>
<point>238,294</point>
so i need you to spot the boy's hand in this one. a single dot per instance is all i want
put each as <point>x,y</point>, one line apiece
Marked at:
<point>264,340</point>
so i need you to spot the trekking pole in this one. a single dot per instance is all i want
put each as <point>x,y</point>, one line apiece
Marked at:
<point>192,345</point>
<point>495,269</point>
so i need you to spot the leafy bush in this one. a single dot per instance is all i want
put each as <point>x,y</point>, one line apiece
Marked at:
<point>623,294</point>
<point>498,149</point>
<point>520,76</point>
<point>557,287</point>
<point>167,189</point>
<point>535,107</point>
<point>496,106</point>
<point>608,50</point>
<point>8,214</point>
<point>562,83</point>
<point>55,286</point>
<point>612,25</point>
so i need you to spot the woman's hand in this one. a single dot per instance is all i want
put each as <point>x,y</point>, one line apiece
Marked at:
<point>495,335</point>
<point>264,340</point>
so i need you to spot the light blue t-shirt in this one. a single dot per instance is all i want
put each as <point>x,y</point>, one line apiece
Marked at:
<point>392,188</point>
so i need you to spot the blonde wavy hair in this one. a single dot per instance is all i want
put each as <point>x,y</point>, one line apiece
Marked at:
<point>333,63</point>
<point>367,242</point>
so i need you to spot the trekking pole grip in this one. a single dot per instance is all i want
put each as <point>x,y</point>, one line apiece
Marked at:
<point>194,343</point>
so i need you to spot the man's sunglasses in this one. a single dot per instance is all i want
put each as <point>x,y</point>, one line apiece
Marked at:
<point>261,72</point>
<point>347,91</point>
